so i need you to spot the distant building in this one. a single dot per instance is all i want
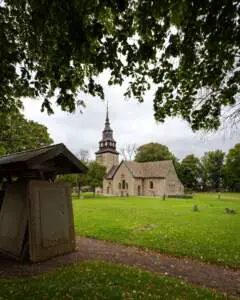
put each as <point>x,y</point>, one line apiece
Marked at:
<point>134,178</point>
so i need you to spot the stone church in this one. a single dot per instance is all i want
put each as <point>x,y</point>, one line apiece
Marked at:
<point>133,178</point>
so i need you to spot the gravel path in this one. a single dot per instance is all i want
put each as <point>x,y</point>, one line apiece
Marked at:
<point>208,275</point>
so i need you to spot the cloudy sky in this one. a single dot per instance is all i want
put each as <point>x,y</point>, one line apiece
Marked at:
<point>131,122</point>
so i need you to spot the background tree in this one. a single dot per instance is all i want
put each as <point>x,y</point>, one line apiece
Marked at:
<point>95,175</point>
<point>153,152</point>
<point>18,134</point>
<point>128,151</point>
<point>77,181</point>
<point>232,169</point>
<point>212,162</point>
<point>189,49</point>
<point>81,179</point>
<point>191,172</point>
<point>83,155</point>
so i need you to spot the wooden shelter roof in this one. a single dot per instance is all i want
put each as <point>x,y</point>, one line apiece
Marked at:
<point>54,159</point>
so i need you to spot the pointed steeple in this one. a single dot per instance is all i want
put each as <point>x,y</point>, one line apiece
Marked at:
<point>107,143</point>
<point>107,118</point>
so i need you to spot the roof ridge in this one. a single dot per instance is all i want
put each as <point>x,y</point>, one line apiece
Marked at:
<point>30,150</point>
<point>145,162</point>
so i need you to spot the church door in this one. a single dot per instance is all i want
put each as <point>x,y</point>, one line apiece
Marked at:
<point>139,190</point>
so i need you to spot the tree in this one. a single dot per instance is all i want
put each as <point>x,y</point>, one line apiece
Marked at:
<point>95,175</point>
<point>191,172</point>
<point>129,151</point>
<point>189,49</point>
<point>153,152</point>
<point>213,166</point>
<point>75,180</point>
<point>18,134</point>
<point>83,155</point>
<point>232,169</point>
<point>81,179</point>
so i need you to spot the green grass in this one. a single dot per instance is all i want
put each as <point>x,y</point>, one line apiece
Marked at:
<point>97,280</point>
<point>167,226</point>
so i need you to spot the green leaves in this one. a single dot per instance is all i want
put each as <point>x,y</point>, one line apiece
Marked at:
<point>95,175</point>
<point>231,169</point>
<point>153,152</point>
<point>18,134</point>
<point>189,49</point>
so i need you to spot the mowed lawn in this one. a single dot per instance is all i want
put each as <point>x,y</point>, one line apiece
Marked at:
<point>169,226</point>
<point>97,280</point>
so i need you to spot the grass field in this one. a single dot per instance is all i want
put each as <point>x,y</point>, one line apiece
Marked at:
<point>97,280</point>
<point>168,226</point>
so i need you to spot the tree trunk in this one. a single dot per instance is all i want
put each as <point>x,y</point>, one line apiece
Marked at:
<point>79,189</point>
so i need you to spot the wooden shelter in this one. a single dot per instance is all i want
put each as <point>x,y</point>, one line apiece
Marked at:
<point>36,218</point>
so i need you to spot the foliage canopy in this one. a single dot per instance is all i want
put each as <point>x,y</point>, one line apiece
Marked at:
<point>153,152</point>
<point>18,134</point>
<point>189,49</point>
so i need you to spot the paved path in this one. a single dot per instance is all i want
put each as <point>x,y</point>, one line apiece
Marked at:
<point>212,276</point>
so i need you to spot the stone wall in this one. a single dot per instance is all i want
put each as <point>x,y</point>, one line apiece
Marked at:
<point>173,183</point>
<point>107,159</point>
<point>123,176</point>
<point>154,186</point>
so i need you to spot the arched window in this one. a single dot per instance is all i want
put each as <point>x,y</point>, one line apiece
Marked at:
<point>151,185</point>
<point>119,186</point>
<point>123,184</point>
<point>126,186</point>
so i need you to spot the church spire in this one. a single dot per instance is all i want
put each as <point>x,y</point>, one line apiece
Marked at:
<point>107,118</point>
<point>107,143</point>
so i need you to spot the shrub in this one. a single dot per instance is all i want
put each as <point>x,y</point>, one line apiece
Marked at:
<point>180,196</point>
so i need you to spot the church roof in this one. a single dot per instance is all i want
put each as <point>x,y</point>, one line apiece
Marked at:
<point>153,169</point>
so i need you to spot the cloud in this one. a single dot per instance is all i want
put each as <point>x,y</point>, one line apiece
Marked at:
<point>131,122</point>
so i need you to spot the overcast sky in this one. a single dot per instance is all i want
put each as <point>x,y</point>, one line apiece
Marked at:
<point>131,123</point>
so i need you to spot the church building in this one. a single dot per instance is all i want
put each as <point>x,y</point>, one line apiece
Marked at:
<point>131,178</point>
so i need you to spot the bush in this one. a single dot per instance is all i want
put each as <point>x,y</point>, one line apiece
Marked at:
<point>180,196</point>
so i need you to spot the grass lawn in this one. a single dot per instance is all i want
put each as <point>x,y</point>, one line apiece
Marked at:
<point>168,226</point>
<point>97,280</point>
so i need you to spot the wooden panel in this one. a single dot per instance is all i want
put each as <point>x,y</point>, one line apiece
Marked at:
<point>13,219</point>
<point>51,228</point>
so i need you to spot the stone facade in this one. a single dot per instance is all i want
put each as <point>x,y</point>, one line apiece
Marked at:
<point>108,160</point>
<point>126,180</point>
<point>132,178</point>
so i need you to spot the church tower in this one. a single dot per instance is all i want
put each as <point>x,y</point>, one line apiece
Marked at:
<point>107,154</point>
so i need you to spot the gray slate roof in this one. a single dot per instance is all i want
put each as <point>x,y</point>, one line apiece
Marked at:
<point>153,169</point>
<point>55,156</point>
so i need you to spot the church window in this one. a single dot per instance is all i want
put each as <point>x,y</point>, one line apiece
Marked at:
<point>151,185</point>
<point>126,186</point>
<point>119,186</point>
<point>123,184</point>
